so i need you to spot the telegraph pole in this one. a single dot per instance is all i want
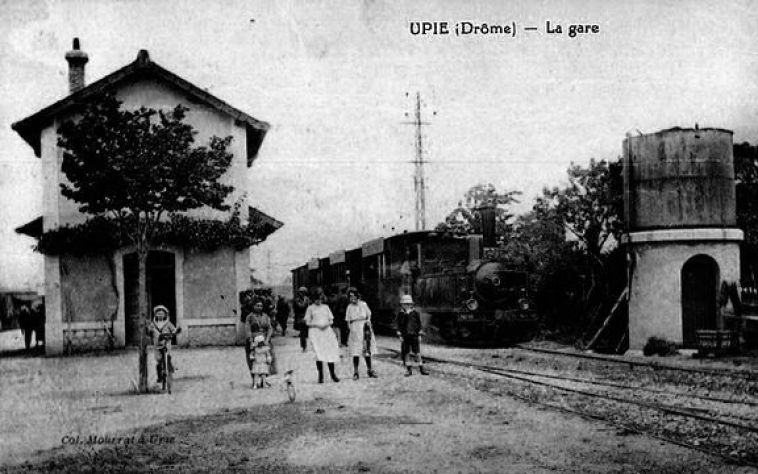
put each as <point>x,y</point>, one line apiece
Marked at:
<point>419,185</point>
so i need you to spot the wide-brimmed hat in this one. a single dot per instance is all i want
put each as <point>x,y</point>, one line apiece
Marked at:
<point>160,307</point>
<point>302,289</point>
<point>406,299</point>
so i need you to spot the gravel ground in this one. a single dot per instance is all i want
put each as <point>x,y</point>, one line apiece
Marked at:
<point>214,422</point>
<point>683,390</point>
<point>737,386</point>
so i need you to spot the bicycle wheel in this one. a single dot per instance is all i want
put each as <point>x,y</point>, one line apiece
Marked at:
<point>168,377</point>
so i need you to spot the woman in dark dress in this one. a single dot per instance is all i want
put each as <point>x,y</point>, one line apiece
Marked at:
<point>258,323</point>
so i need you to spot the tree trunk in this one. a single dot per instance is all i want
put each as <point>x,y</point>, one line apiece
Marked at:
<point>142,308</point>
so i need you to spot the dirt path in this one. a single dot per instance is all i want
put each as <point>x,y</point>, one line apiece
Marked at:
<point>215,422</point>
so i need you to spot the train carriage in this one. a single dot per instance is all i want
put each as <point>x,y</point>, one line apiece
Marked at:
<point>462,298</point>
<point>300,278</point>
<point>353,274</point>
<point>338,275</point>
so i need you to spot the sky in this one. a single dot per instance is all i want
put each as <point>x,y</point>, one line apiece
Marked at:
<point>337,82</point>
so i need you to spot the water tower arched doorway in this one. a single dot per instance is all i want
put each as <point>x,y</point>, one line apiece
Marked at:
<point>160,289</point>
<point>700,286</point>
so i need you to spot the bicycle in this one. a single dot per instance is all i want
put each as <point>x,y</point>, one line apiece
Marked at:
<point>289,385</point>
<point>167,368</point>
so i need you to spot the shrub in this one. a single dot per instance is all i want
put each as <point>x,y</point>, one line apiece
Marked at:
<point>659,346</point>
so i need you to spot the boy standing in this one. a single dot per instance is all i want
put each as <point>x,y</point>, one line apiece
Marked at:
<point>408,325</point>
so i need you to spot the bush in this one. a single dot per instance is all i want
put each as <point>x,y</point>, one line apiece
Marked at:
<point>661,347</point>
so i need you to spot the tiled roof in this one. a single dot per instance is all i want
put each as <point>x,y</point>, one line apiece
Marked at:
<point>31,127</point>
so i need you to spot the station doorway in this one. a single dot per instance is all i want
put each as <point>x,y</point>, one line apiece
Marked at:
<point>160,273</point>
<point>700,287</point>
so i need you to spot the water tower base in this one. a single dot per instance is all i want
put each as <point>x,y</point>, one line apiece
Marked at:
<point>676,281</point>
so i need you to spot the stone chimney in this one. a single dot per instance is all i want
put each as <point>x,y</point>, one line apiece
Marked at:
<point>76,60</point>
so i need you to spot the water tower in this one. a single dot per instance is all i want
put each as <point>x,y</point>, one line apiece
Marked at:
<point>679,207</point>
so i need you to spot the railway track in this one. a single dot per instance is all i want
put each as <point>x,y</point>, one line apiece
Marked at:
<point>635,387</point>
<point>509,373</point>
<point>746,374</point>
<point>716,425</point>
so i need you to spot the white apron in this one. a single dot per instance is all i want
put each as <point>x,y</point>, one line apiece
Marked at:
<point>324,341</point>
<point>356,343</point>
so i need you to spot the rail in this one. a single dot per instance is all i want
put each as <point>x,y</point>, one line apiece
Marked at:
<point>748,374</point>
<point>525,376</point>
<point>509,373</point>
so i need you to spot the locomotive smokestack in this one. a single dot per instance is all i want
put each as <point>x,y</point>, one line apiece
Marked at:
<point>487,222</point>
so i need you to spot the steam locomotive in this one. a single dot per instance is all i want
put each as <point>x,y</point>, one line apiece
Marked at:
<point>462,298</point>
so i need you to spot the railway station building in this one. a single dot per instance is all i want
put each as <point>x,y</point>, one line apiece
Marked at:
<point>91,301</point>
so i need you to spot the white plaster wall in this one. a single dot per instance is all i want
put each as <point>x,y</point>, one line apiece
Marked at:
<point>152,94</point>
<point>207,121</point>
<point>210,284</point>
<point>242,277</point>
<point>59,211</point>
<point>87,288</point>
<point>655,307</point>
<point>50,219</point>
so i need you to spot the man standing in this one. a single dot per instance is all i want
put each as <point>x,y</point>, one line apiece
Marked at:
<point>338,311</point>
<point>299,307</point>
<point>38,316</point>
<point>26,324</point>
<point>339,316</point>
<point>282,313</point>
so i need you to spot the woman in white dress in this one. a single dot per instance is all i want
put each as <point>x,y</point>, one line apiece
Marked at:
<point>361,342</point>
<point>319,319</point>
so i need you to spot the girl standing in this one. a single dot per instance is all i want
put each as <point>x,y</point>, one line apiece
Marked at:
<point>319,320</point>
<point>361,342</point>
<point>261,362</point>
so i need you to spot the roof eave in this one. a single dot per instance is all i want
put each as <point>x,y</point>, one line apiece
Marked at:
<point>265,218</point>
<point>254,140</point>
<point>32,228</point>
<point>31,137</point>
<point>30,127</point>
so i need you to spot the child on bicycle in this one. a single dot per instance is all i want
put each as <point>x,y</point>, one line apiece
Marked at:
<point>162,330</point>
<point>260,356</point>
